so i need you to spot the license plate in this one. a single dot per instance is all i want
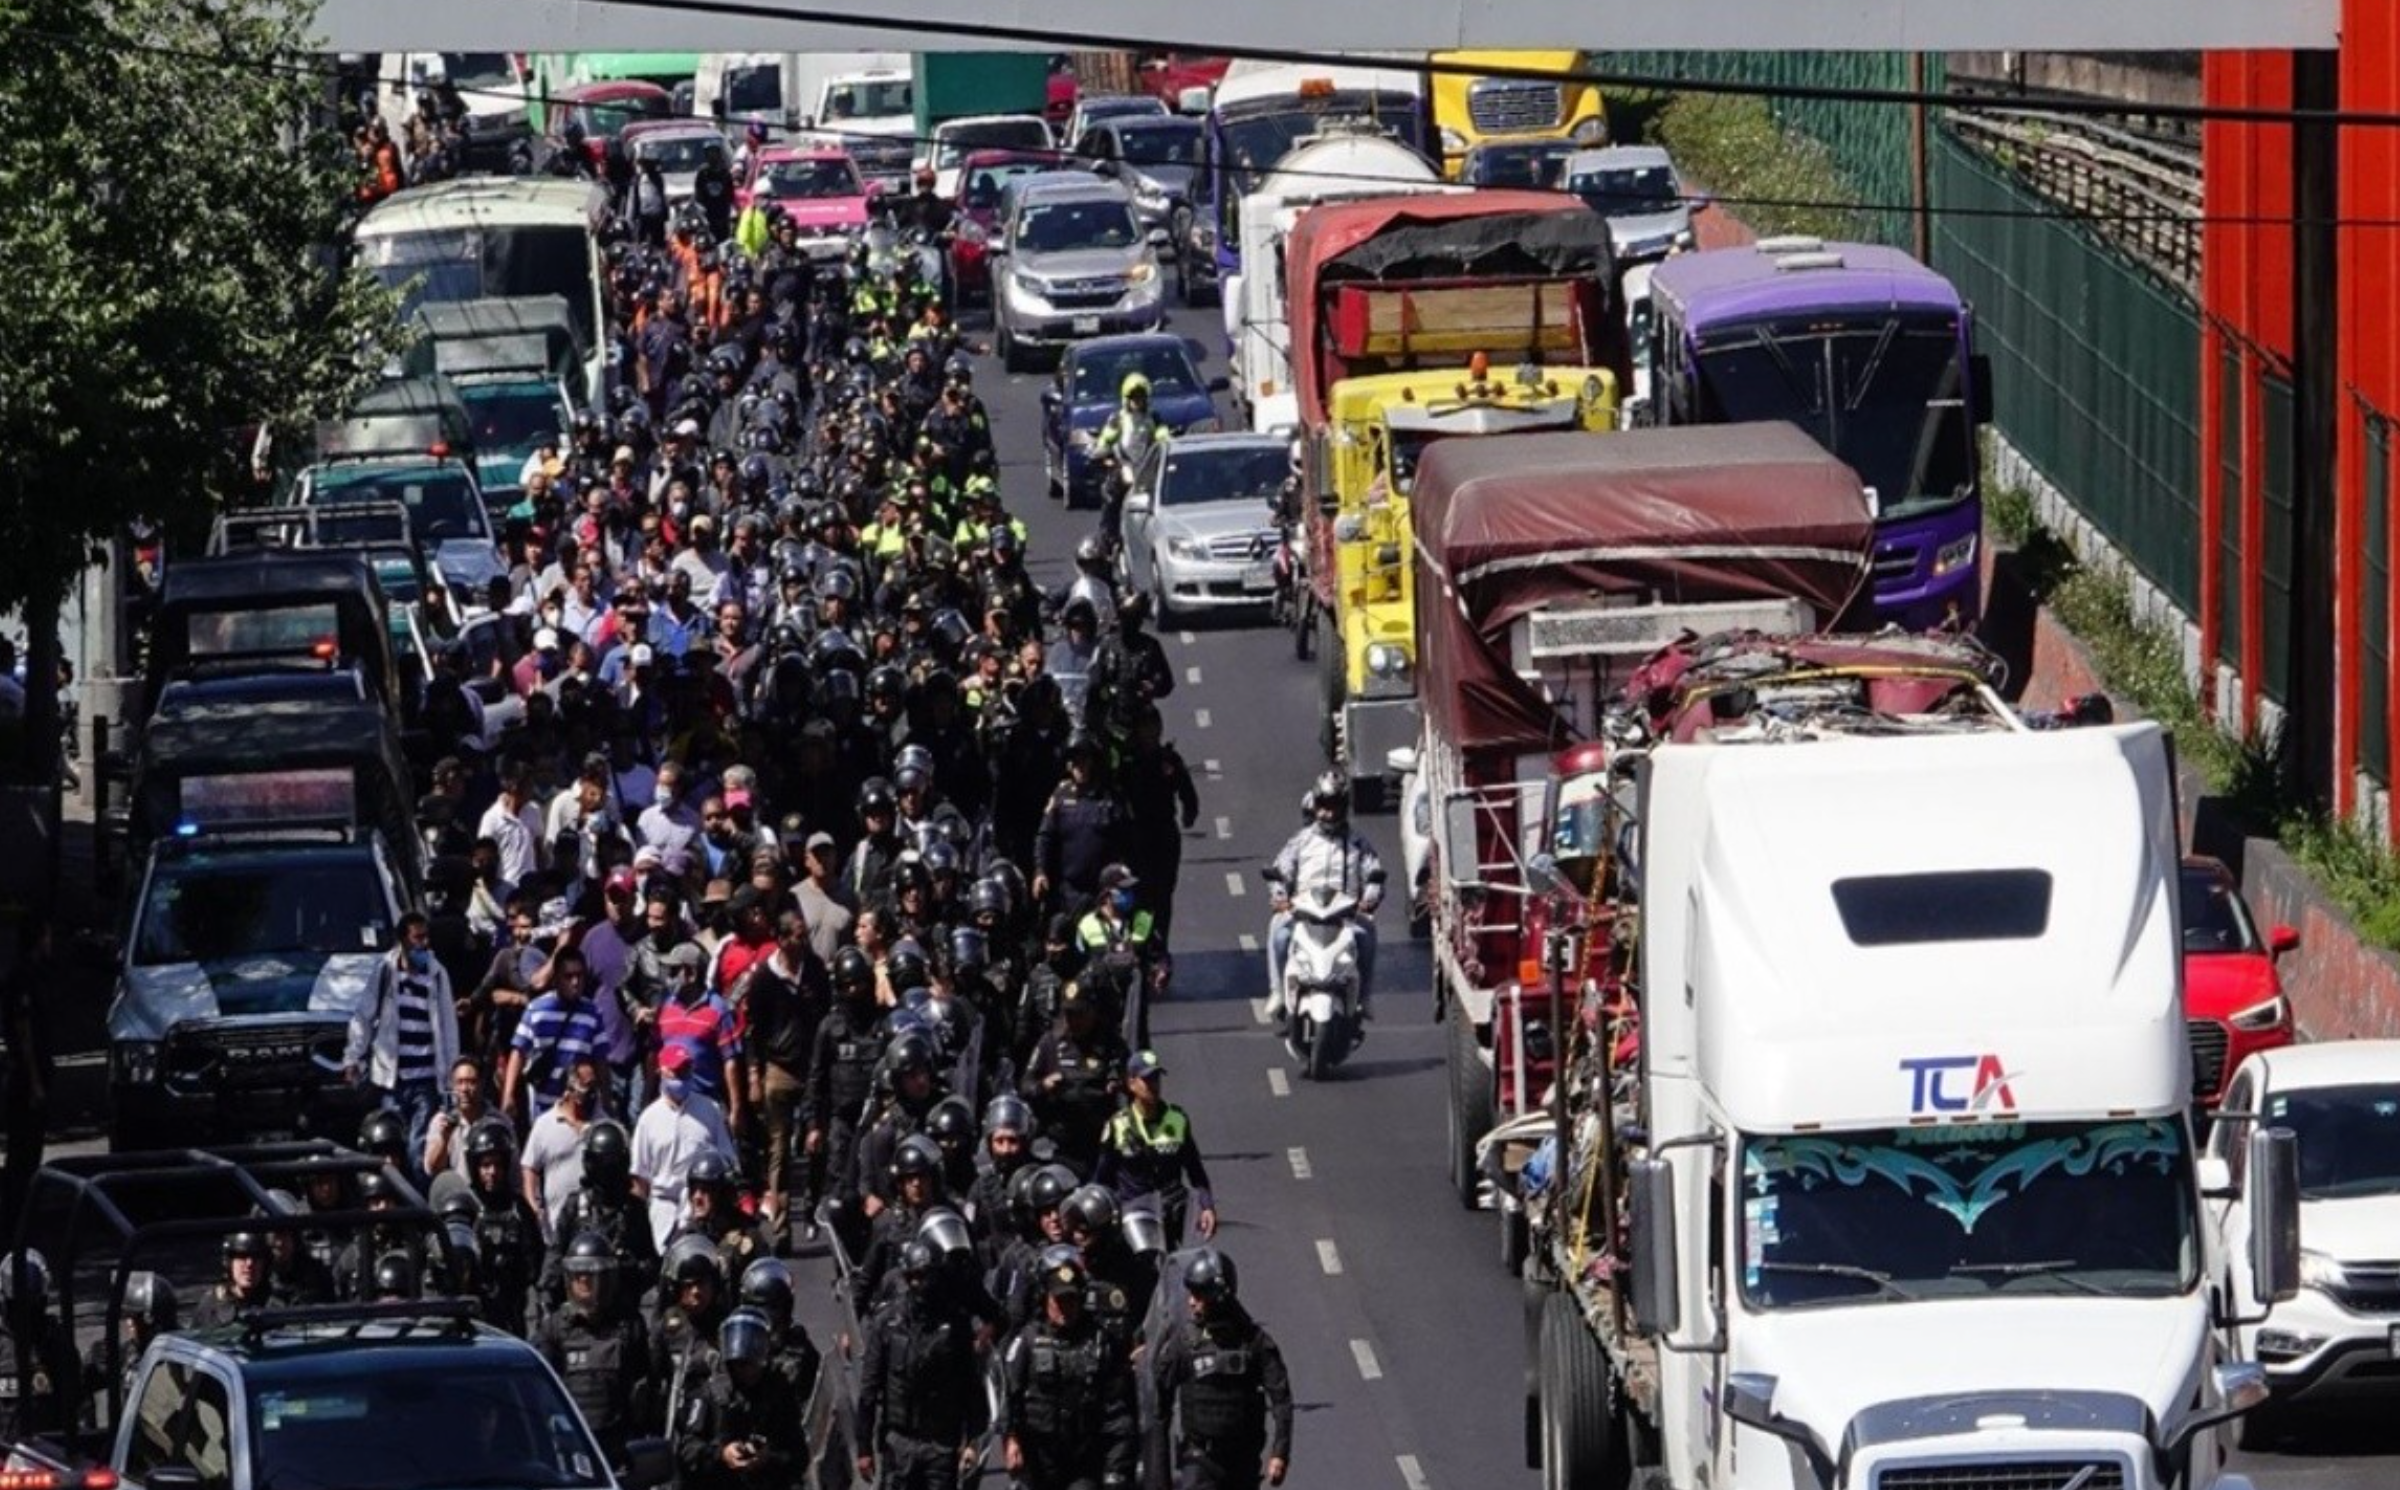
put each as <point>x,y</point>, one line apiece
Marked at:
<point>1259,579</point>
<point>1086,325</point>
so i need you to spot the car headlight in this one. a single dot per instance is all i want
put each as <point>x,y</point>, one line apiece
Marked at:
<point>1388,660</point>
<point>1191,549</point>
<point>1684,238</point>
<point>2320,1271</point>
<point>1453,143</point>
<point>1029,287</point>
<point>1957,554</point>
<point>2275,1347</point>
<point>2272,1014</point>
<point>1590,132</point>
<point>1141,274</point>
<point>134,1062</point>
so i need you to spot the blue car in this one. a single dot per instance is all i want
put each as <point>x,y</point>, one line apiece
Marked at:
<point>1084,393</point>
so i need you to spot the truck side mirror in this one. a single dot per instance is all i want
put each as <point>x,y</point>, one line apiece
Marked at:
<point>2241,1386</point>
<point>1750,1399</point>
<point>1657,1288</point>
<point>2273,1179</point>
<point>2216,1179</point>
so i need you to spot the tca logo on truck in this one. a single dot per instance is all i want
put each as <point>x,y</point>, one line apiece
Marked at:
<point>1940,1083</point>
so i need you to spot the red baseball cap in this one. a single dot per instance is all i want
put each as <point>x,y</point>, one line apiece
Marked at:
<point>675,1058</point>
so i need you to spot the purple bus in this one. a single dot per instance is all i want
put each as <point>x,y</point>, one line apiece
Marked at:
<point>1870,352</point>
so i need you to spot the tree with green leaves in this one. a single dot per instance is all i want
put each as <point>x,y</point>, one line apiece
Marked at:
<point>171,209</point>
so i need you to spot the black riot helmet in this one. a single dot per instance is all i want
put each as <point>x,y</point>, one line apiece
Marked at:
<point>384,1134</point>
<point>746,1338</point>
<point>1209,1277</point>
<point>607,1156</point>
<point>853,973</point>
<point>712,1171</point>
<point>590,1256</point>
<point>907,968</point>
<point>1049,1188</point>
<point>909,1052</point>
<point>918,1260</point>
<point>918,1157</point>
<point>395,1276</point>
<point>951,1125</point>
<point>150,1300</point>
<point>692,1258</point>
<point>767,1286</point>
<point>1093,1208</point>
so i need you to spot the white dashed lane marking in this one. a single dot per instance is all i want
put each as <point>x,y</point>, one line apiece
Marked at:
<point>1277,1081</point>
<point>1200,718</point>
<point>1191,675</point>
<point>1412,1474</point>
<point>1233,884</point>
<point>1329,1257</point>
<point>1369,1368</point>
<point>1224,827</point>
<point>1301,1168</point>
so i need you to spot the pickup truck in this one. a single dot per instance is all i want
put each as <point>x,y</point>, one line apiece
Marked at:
<point>375,1397</point>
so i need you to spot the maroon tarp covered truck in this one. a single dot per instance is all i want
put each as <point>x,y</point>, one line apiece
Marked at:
<point>1548,567</point>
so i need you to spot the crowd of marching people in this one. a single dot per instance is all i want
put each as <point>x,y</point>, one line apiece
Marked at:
<point>812,907</point>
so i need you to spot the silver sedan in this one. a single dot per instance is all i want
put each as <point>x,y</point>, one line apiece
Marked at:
<point>1200,532</point>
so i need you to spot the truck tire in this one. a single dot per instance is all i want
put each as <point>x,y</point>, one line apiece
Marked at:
<point>1515,1237</point>
<point>1581,1449</point>
<point>1470,1109</point>
<point>1420,904</point>
<point>1535,1297</point>
<point>1332,685</point>
<point>1304,626</point>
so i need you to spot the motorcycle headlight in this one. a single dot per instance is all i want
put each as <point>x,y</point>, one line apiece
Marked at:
<point>1957,554</point>
<point>134,1062</point>
<point>2270,1015</point>
<point>1389,660</point>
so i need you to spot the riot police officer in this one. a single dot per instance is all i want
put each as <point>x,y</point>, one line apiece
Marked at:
<point>1122,1279</point>
<point>296,1274</point>
<point>248,1282</point>
<point>604,1203</point>
<point>1075,1075</point>
<point>150,1310</point>
<point>597,1348</point>
<point>841,1071</point>
<point>1069,1391</point>
<point>1008,1132</point>
<point>39,1364</point>
<point>916,1087</point>
<point>743,1428</point>
<point>921,1403</point>
<point>767,1286</point>
<point>508,1235</point>
<point>712,1209</point>
<point>683,1330</point>
<point>916,1187</point>
<point>1223,1395</point>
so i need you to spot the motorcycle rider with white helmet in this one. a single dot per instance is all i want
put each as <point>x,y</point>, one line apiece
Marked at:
<point>1326,852</point>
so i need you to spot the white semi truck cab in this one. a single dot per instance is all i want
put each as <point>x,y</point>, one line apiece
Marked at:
<point>1908,1187</point>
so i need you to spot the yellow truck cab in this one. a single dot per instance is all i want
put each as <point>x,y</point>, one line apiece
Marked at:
<point>1469,110</point>
<point>1377,427</point>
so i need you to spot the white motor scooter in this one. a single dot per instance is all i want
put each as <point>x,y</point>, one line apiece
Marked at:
<point>1320,979</point>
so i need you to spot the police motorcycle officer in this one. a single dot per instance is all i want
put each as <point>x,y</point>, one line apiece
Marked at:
<point>1070,1421</point>
<point>921,1405</point>
<point>743,1427</point>
<point>597,1346</point>
<point>1326,851</point>
<point>1223,1395</point>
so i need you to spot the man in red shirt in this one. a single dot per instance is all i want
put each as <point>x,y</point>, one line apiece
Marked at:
<point>753,940</point>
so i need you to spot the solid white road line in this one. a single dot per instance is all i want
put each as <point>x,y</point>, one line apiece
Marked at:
<point>1412,1474</point>
<point>1277,1082</point>
<point>1328,1257</point>
<point>1369,1368</point>
<point>1301,1169</point>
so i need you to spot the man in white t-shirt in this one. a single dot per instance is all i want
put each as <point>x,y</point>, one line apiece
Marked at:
<point>677,1127</point>
<point>553,1159</point>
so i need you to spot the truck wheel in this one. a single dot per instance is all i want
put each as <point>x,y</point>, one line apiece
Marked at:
<point>1580,1447</point>
<point>1304,626</point>
<point>1470,1109</point>
<point>1420,908</point>
<point>1331,685</point>
<point>1534,1301</point>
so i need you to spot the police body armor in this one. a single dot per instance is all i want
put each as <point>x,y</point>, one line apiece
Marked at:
<point>597,1354</point>
<point>1221,1399</point>
<point>1062,1396</point>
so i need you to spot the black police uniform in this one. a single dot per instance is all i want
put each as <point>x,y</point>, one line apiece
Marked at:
<point>1082,832</point>
<point>721,1412</point>
<point>900,1118</point>
<point>1223,1386</point>
<point>683,1351</point>
<point>508,1237</point>
<point>621,1220</point>
<point>603,1356</point>
<point>841,1077</point>
<point>920,1391</point>
<point>1070,1406</point>
<point>40,1395</point>
<point>1075,1113</point>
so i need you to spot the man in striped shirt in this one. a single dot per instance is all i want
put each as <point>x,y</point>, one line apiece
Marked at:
<point>693,1017</point>
<point>559,1028</point>
<point>404,1033</point>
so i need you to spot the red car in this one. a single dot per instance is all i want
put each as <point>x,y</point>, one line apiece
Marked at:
<point>983,176</point>
<point>2233,1002</point>
<point>1167,75</point>
<point>1060,100</point>
<point>603,110</point>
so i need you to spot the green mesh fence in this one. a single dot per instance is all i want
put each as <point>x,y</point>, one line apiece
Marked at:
<point>1868,142</point>
<point>2095,363</point>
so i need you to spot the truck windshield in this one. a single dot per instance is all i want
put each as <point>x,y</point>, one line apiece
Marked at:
<point>441,503</point>
<point>879,99</point>
<point>1627,191</point>
<point>476,264</point>
<point>416,1426</point>
<point>1885,393</point>
<point>1962,1212</point>
<point>757,89</point>
<point>2349,1138</point>
<point>1251,144</point>
<point>208,909</point>
<point>511,418</point>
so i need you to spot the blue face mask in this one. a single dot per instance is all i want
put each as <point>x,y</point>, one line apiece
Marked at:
<point>674,1088</point>
<point>420,960</point>
<point>1123,901</point>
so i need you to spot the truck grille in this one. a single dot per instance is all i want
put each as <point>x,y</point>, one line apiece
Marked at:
<point>1243,546</point>
<point>235,1058</point>
<point>875,155</point>
<point>2208,1040</point>
<point>2030,1474</point>
<point>1499,106</point>
<point>2369,1288</point>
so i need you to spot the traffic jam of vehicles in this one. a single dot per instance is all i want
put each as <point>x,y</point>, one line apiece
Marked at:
<point>618,843</point>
